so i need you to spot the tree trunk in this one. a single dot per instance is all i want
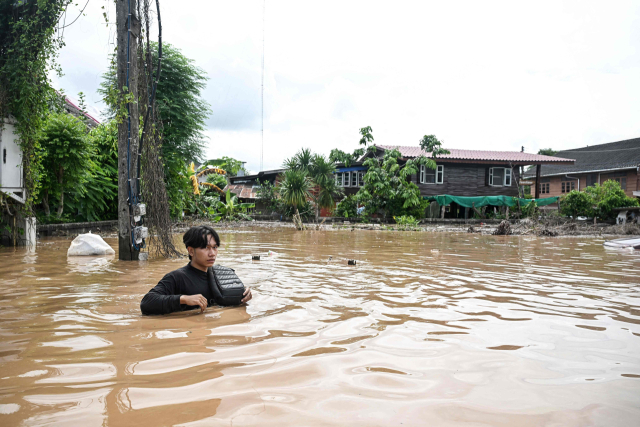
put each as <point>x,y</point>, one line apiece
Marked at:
<point>60,181</point>
<point>297,221</point>
<point>61,205</point>
<point>45,203</point>
<point>317,213</point>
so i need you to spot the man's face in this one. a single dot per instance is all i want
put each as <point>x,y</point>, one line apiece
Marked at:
<point>205,257</point>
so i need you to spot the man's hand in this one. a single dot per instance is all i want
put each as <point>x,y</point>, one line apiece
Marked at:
<point>246,296</point>
<point>195,300</point>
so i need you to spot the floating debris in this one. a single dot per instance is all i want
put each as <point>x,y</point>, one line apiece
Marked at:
<point>255,257</point>
<point>351,262</point>
<point>504,229</point>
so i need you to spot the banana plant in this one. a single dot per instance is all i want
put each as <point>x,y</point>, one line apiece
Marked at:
<point>231,208</point>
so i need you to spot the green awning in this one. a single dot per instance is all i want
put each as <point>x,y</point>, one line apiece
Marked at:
<point>469,202</point>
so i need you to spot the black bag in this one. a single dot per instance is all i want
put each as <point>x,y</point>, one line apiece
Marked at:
<point>226,287</point>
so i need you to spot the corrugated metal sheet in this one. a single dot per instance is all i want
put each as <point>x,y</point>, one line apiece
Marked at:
<point>478,155</point>
<point>243,191</point>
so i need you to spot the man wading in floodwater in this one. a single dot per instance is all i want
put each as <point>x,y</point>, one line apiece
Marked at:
<point>188,287</point>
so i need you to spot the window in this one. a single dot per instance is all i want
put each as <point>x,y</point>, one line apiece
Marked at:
<point>431,176</point>
<point>568,186</point>
<point>350,179</point>
<point>620,177</point>
<point>592,179</point>
<point>499,177</point>
<point>544,188</point>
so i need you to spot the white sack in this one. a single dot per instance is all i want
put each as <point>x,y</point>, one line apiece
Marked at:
<point>89,244</point>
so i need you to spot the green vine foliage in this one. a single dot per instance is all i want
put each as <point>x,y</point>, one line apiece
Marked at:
<point>28,50</point>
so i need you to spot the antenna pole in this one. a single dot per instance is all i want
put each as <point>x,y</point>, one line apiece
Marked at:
<point>262,94</point>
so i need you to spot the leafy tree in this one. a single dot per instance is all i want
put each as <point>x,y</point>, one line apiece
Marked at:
<point>326,190</point>
<point>97,199</point>
<point>182,112</point>
<point>547,152</point>
<point>295,189</point>
<point>218,180</point>
<point>320,172</point>
<point>367,137</point>
<point>67,153</point>
<point>387,186</point>
<point>228,164</point>
<point>431,144</point>
<point>339,156</point>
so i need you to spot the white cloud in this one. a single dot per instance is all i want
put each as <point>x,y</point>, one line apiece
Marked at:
<point>492,75</point>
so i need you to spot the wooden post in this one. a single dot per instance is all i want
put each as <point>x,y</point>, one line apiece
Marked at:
<point>128,31</point>
<point>537,192</point>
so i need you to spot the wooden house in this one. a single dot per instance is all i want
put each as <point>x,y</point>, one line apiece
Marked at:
<point>467,173</point>
<point>246,187</point>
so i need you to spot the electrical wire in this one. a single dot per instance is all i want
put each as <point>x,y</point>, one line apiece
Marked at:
<point>65,14</point>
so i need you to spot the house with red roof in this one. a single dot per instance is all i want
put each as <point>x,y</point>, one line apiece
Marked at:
<point>466,173</point>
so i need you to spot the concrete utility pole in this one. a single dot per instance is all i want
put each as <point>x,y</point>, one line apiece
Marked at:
<point>128,31</point>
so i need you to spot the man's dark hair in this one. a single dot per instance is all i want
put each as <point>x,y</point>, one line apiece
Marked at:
<point>198,237</point>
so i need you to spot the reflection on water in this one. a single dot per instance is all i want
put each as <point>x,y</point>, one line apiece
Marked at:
<point>437,329</point>
<point>90,264</point>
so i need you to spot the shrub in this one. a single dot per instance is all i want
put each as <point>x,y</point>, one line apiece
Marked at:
<point>348,207</point>
<point>577,203</point>
<point>406,220</point>
<point>609,196</point>
<point>605,198</point>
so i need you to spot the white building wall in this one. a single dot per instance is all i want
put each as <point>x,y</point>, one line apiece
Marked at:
<point>11,179</point>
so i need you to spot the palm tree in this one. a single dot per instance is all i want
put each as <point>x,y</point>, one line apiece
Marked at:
<point>295,190</point>
<point>302,161</point>
<point>327,191</point>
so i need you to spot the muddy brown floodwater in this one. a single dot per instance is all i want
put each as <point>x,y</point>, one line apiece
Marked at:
<point>427,329</point>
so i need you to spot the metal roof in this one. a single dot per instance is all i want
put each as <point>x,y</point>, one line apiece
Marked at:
<point>480,155</point>
<point>596,158</point>
<point>243,191</point>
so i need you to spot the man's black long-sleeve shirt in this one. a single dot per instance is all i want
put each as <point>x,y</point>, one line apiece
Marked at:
<point>165,296</point>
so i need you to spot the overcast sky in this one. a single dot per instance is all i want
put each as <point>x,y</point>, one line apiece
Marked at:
<point>479,75</point>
